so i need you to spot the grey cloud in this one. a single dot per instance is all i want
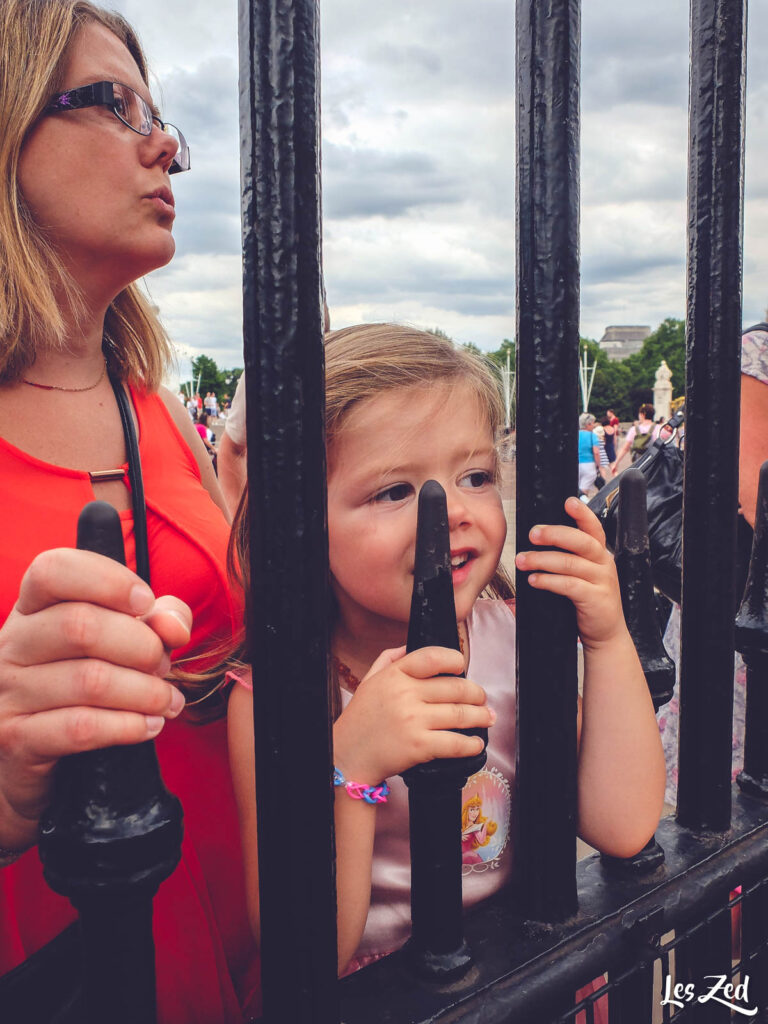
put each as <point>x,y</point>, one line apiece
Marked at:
<point>364,182</point>
<point>407,57</point>
<point>597,269</point>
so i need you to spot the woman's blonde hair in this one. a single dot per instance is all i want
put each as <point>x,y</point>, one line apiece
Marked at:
<point>35,39</point>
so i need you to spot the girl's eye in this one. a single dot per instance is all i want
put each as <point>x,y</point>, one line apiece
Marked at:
<point>478,478</point>
<point>398,492</point>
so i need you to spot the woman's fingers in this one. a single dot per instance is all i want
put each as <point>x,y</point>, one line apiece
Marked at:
<point>171,620</point>
<point>72,629</point>
<point>66,574</point>
<point>49,735</point>
<point>90,683</point>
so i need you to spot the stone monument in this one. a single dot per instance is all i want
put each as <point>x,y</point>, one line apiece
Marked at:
<point>662,391</point>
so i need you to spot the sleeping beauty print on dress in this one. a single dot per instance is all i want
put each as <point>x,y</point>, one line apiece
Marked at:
<point>485,814</point>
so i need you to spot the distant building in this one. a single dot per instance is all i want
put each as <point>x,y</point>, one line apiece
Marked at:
<point>620,342</point>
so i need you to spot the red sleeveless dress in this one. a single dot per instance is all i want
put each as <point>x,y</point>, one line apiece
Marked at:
<point>207,967</point>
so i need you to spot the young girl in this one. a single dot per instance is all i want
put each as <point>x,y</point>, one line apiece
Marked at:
<point>404,407</point>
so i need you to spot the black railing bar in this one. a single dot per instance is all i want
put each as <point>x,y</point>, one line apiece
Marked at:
<point>516,961</point>
<point>287,620</point>
<point>547,331</point>
<point>713,337</point>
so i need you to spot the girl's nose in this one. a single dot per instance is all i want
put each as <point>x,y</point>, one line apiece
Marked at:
<point>458,513</point>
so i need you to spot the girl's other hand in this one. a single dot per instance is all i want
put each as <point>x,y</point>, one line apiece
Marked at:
<point>582,570</point>
<point>402,712</point>
<point>83,654</point>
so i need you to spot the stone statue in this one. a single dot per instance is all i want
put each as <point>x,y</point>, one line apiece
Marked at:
<point>662,391</point>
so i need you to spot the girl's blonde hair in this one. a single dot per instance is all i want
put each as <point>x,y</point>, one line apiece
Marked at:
<point>368,360</point>
<point>35,39</point>
<point>362,363</point>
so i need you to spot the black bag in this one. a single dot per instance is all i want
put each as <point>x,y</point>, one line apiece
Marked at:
<point>662,465</point>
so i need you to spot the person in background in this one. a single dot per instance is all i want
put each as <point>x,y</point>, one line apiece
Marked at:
<point>86,211</point>
<point>640,435</point>
<point>233,446</point>
<point>753,451</point>
<point>600,436</point>
<point>589,454</point>
<point>611,432</point>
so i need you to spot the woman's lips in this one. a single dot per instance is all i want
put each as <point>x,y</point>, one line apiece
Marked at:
<point>162,199</point>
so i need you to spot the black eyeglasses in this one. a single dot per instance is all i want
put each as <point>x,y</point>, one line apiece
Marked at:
<point>129,107</point>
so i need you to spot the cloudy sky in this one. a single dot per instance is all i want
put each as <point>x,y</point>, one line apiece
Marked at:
<point>418,165</point>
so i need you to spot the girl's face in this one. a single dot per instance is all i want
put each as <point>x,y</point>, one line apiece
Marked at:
<point>474,812</point>
<point>92,184</point>
<point>388,448</point>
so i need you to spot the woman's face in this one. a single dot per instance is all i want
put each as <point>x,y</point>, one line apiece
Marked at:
<point>92,184</point>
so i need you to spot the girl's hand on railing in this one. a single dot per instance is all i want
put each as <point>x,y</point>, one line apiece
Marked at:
<point>582,570</point>
<point>83,654</point>
<point>402,711</point>
<point>621,762</point>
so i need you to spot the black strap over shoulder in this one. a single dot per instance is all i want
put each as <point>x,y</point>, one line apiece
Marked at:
<point>136,481</point>
<point>762,326</point>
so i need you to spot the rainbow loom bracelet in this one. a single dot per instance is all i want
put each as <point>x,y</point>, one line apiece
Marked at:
<point>371,794</point>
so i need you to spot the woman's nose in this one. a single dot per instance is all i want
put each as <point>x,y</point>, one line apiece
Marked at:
<point>165,146</point>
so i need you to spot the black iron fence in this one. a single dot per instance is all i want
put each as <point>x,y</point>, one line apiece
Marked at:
<point>666,934</point>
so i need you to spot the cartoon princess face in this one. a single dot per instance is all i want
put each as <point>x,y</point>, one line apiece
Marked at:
<point>484,821</point>
<point>476,830</point>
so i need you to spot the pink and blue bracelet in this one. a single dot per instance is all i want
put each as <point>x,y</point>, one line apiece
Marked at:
<point>358,791</point>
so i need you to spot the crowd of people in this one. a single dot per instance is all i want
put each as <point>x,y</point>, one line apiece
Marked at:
<point>91,653</point>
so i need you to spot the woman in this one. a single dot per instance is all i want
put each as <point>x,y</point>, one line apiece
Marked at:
<point>86,210</point>
<point>753,451</point>
<point>639,436</point>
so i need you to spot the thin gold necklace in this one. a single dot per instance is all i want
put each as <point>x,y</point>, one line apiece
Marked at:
<point>58,387</point>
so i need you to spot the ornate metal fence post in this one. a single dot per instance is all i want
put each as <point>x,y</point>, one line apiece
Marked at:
<point>112,835</point>
<point>437,947</point>
<point>548,43</point>
<point>288,605</point>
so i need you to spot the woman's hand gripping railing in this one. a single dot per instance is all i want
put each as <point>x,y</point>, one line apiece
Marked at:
<point>437,947</point>
<point>110,837</point>
<point>633,565</point>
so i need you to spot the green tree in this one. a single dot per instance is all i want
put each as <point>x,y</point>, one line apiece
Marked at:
<point>206,369</point>
<point>499,356</point>
<point>623,385</point>
<point>666,342</point>
<point>212,378</point>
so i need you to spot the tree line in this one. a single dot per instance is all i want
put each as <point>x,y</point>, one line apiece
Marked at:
<point>621,384</point>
